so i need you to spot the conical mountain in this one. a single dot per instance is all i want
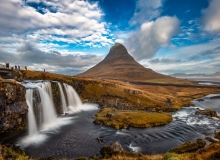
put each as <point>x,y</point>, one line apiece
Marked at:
<point>119,64</point>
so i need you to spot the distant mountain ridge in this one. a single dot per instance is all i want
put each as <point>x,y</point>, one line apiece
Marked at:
<point>119,64</point>
<point>183,75</point>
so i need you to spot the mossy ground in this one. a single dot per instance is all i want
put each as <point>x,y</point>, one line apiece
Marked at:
<point>11,153</point>
<point>123,119</point>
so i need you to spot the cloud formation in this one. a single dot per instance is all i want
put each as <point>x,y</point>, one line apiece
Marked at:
<point>146,10</point>
<point>145,42</point>
<point>211,17</point>
<point>28,55</point>
<point>164,61</point>
<point>201,58</point>
<point>66,21</point>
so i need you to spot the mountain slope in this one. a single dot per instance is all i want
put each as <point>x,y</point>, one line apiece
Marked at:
<point>119,64</point>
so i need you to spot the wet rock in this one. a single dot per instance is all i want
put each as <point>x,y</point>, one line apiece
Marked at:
<point>189,147</point>
<point>210,139</point>
<point>200,100</point>
<point>100,140</point>
<point>207,112</point>
<point>215,97</point>
<point>14,109</point>
<point>115,147</point>
<point>56,97</point>
<point>201,143</point>
<point>217,135</point>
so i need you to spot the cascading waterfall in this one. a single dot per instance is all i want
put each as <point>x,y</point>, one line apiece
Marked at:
<point>32,125</point>
<point>46,86</point>
<point>63,100</point>
<point>41,109</point>
<point>49,114</point>
<point>74,102</point>
<point>48,110</point>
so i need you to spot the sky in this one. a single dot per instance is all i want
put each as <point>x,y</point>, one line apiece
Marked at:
<point>69,37</point>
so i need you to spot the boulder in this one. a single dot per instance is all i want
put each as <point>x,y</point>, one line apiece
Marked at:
<point>115,148</point>
<point>207,112</point>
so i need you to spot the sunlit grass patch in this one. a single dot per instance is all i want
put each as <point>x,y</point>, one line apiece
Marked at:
<point>132,118</point>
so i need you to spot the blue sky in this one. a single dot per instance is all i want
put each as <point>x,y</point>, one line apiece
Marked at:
<point>70,36</point>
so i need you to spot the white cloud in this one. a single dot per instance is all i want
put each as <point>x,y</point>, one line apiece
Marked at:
<point>72,21</point>
<point>202,58</point>
<point>151,36</point>
<point>211,17</point>
<point>146,10</point>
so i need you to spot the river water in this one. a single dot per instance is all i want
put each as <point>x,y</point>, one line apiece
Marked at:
<point>78,137</point>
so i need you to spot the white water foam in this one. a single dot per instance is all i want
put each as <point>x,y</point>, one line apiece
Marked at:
<point>134,148</point>
<point>32,125</point>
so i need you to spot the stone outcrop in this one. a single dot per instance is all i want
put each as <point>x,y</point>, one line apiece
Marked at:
<point>207,112</point>
<point>13,109</point>
<point>56,97</point>
<point>114,148</point>
<point>189,147</point>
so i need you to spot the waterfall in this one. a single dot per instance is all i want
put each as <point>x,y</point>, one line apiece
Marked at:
<point>41,110</point>
<point>49,114</point>
<point>46,86</point>
<point>32,125</point>
<point>62,97</point>
<point>74,102</point>
<point>48,110</point>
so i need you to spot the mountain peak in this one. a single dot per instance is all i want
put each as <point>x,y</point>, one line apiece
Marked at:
<point>118,46</point>
<point>119,64</point>
<point>118,52</point>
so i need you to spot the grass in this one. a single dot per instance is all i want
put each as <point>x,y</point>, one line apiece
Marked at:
<point>111,91</point>
<point>169,81</point>
<point>10,154</point>
<point>123,119</point>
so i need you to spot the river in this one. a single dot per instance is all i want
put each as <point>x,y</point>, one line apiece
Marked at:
<point>78,137</point>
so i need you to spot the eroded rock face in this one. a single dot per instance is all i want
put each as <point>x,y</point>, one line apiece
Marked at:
<point>207,112</point>
<point>13,109</point>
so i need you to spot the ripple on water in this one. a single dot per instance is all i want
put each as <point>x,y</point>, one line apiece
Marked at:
<point>79,138</point>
